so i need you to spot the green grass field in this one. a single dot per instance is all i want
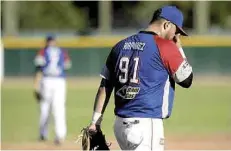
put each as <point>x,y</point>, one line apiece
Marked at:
<point>204,109</point>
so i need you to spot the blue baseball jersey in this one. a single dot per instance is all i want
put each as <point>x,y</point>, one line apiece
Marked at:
<point>141,68</point>
<point>53,61</point>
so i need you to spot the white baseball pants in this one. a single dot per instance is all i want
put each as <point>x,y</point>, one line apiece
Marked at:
<point>53,92</point>
<point>140,134</point>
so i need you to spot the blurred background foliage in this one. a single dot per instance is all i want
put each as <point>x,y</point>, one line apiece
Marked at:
<point>51,15</point>
<point>125,15</point>
<point>221,13</point>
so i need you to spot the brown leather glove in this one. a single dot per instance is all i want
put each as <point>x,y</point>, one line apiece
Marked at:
<point>93,140</point>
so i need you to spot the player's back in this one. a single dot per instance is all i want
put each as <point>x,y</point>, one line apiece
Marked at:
<point>142,85</point>
<point>52,60</point>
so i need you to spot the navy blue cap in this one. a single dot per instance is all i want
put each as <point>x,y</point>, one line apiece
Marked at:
<point>175,16</point>
<point>50,37</point>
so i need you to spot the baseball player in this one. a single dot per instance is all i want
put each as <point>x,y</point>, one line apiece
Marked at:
<point>143,69</point>
<point>51,63</point>
<point>2,61</point>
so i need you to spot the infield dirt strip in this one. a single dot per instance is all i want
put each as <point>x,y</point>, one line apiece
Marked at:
<point>222,142</point>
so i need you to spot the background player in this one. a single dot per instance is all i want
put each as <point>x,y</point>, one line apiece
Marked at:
<point>143,69</point>
<point>2,61</point>
<point>50,87</point>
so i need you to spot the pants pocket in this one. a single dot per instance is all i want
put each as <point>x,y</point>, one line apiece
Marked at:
<point>133,135</point>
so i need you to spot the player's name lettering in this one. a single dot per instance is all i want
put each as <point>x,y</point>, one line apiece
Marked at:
<point>128,92</point>
<point>134,46</point>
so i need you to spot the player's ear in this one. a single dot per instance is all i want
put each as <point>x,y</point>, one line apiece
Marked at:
<point>167,25</point>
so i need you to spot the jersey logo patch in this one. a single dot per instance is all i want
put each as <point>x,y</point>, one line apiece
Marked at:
<point>128,92</point>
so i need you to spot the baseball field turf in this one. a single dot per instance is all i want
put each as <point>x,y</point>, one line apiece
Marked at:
<point>201,115</point>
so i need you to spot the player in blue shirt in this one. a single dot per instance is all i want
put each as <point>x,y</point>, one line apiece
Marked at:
<point>143,69</point>
<point>51,64</point>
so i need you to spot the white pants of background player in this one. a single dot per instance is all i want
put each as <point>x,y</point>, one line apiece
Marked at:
<point>53,91</point>
<point>145,135</point>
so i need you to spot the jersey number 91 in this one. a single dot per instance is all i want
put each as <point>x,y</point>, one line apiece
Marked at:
<point>124,67</point>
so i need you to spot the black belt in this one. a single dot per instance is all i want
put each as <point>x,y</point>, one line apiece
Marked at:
<point>132,122</point>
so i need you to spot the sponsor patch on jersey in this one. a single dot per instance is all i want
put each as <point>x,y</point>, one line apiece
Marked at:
<point>128,92</point>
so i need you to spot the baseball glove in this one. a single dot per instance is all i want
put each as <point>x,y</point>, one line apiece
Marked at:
<point>93,140</point>
<point>37,96</point>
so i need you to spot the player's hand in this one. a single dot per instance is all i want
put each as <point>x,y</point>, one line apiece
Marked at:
<point>177,40</point>
<point>92,128</point>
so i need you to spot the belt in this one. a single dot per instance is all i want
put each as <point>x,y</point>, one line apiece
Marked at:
<point>132,122</point>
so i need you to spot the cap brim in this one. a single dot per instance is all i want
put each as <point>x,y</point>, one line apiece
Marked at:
<point>50,39</point>
<point>182,32</point>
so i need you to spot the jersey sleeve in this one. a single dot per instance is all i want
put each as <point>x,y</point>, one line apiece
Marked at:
<point>107,71</point>
<point>67,60</point>
<point>173,61</point>
<point>40,60</point>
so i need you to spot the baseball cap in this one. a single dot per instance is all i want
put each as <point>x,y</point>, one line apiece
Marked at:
<point>50,37</point>
<point>174,15</point>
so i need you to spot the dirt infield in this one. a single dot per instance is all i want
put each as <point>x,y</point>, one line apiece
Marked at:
<point>221,142</point>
